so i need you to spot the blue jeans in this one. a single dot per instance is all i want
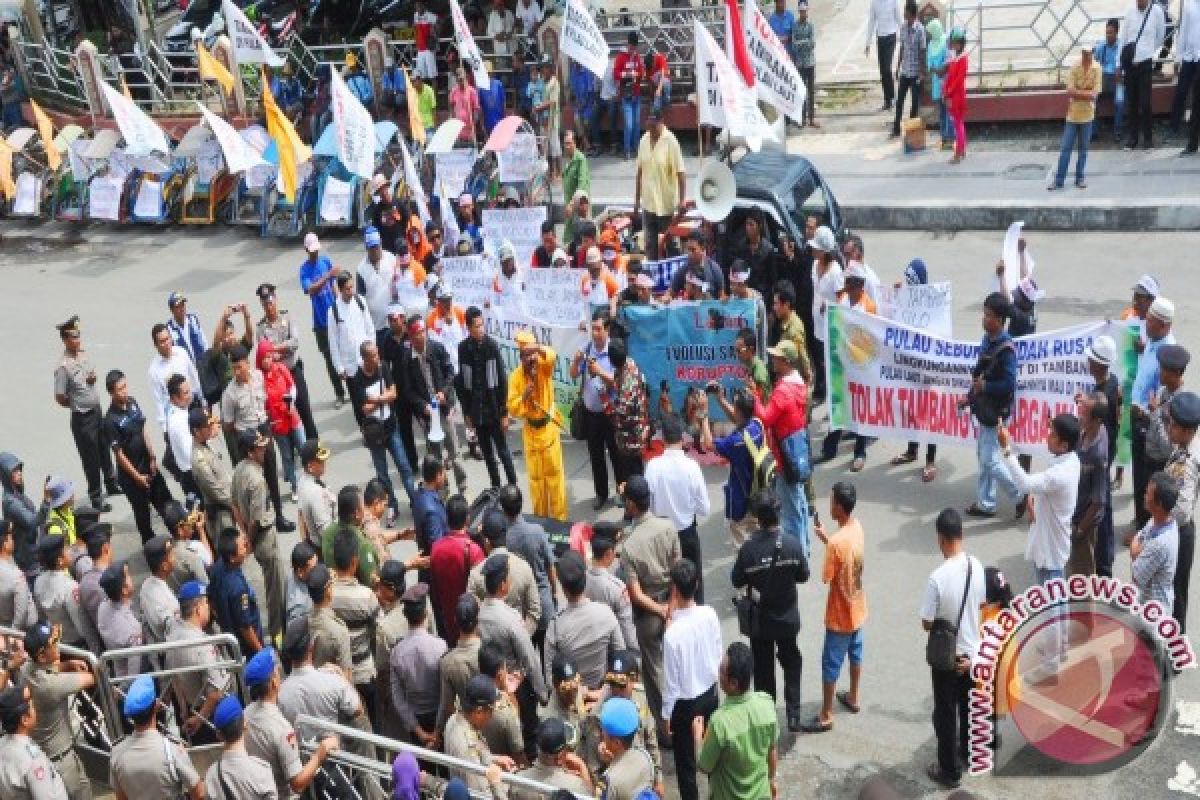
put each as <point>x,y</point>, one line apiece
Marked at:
<point>1074,134</point>
<point>395,446</point>
<point>663,100</point>
<point>1041,576</point>
<point>992,470</point>
<point>834,651</point>
<point>1118,98</point>
<point>793,511</point>
<point>289,448</point>
<point>945,126</point>
<point>631,110</point>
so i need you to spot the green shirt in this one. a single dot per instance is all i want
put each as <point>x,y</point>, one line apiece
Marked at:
<point>426,104</point>
<point>736,746</point>
<point>576,175</point>
<point>368,561</point>
<point>793,330</point>
<point>762,378</point>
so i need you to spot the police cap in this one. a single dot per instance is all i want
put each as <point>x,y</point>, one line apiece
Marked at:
<point>562,670</point>
<point>70,326</point>
<point>414,598</point>
<point>622,666</point>
<point>156,549</point>
<point>496,564</point>
<point>318,580</point>
<point>638,490</point>
<point>1173,357</point>
<point>227,711</point>
<point>198,418</point>
<point>480,693</point>
<point>391,574</point>
<point>112,580</point>
<point>297,637</point>
<point>174,515</point>
<point>551,736</point>
<point>39,636</point>
<point>261,667</point>
<point>1185,410</point>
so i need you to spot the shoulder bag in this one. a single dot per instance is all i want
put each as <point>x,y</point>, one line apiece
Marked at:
<point>987,409</point>
<point>577,420</point>
<point>1129,50</point>
<point>749,613</point>
<point>375,430</point>
<point>941,649</point>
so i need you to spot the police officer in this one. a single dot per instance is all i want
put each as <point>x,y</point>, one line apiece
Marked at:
<point>144,765</point>
<point>523,593</point>
<point>98,540</point>
<point>316,504</point>
<point>212,473</point>
<point>270,736</point>
<point>199,689</point>
<point>586,631</point>
<point>622,681</point>
<point>17,609</point>
<point>137,470</point>
<point>297,603</point>
<point>277,328</point>
<point>160,608</point>
<point>234,603</point>
<point>237,775</point>
<point>630,769</point>
<point>119,626</point>
<point>51,684</point>
<point>503,732</point>
<point>25,771</point>
<point>250,503</point>
<point>414,681</point>
<point>61,518</point>
<point>603,586</point>
<point>459,664</point>
<point>464,737</point>
<point>356,606</point>
<point>57,596</point>
<point>650,548</point>
<point>331,637</point>
<point>556,764</point>
<point>75,389</point>
<point>190,557</point>
<point>390,628</point>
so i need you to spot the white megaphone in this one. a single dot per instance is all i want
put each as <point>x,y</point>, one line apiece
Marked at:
<point>718,190</point>
<point>436,435</point>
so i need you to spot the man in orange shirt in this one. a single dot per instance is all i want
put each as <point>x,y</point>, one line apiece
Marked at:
<point>845,608</point>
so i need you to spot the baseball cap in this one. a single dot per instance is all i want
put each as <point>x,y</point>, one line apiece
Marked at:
<point>175,298</point>
<point>414,596</point>
<point>297,636</point>
<point>855,272</point>
<point>823,240</point>
<point>480,693</point>
<point>371,237</point>
<point>637,489</point>
<point>785,349</point>
<point>191,590</point>
<point>391,573</point>
<point>60,490</point>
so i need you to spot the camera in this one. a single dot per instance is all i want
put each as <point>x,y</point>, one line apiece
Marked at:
<point>712,387</point>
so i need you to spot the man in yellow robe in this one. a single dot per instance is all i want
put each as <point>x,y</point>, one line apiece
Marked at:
<point>531,398</point>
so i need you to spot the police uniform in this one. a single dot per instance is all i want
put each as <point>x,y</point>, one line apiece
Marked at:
<point>234,603</point>
<point>50,691</point>
<point>160,607</point>
<point>633,770</point>
<point>145,764</point>
<point>57,597</point>
<point>17,608</point>
<point>75,379</point>
<point>213,476</point>
<point>331,640</point>
<point>413,665</point>
<point>574,712</point>
<point>26,773</point>
<point>605,587</point>
<point>358,607</point>
<point>647,733</point>
<point>270,737</point>
<point>282,334</point>
<point>250,498</point>
<point>247,777</point>
<point>462,741</point>
<point>456,668</point>
<point>503,732</point>
<point>552,737</point>
<point>522,589</point>
<point>189,564</point>
<point>244,406</point>
<point>316,506</point>
<point>192,686</point>
<point>502,626</point>
<point>390,628</point>
<point>588,633</point>
<point>125,429</point>
<point>120,628</point>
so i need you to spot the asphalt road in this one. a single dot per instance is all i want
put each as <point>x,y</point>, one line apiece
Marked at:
<point>118,281</point>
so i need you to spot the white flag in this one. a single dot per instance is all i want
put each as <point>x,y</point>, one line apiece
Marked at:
<point>778,81</point>
<point>354,128</point>
<point>724,99</point>
<point>582,39</point>
<point>415,190</point>
<point>468,51</point>
<point>248,46</point>
<point>239,155</point>
<point>142,134</point>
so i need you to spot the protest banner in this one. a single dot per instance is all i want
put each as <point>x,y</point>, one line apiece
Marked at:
<point>149,201</point>
<point>555,295</point>
<point>521,227</point>
<point>891,381</point>
<point>104,198</point>
<point>468,51</point>
<point>582,39</point>
<point>412,182</point>
<point>663,271</point>
<point>687,345</point>
<point>239,155</point>
<point>453,169</point>
<point>724,99</point>
<point>142,134</point>
<point>566,342</point>
<point>518,161</point>
<point>248,46</point>
<point>927,307</point>
<point>470,278</point>
<point>337,200</point>
<point>354,128</point>
<point>28,194</point>
<point>778,81</point>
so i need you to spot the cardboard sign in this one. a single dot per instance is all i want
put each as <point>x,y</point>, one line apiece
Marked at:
<point>337,200</point>
<point>927,307</point>
<point>555,296</point>
<point>453,169</point>
<point>518,162</point>
<point>29,189</point>
<point>521,227</point>
<point>148,204</point>
<point>104,198</point>
<point>470,278</point>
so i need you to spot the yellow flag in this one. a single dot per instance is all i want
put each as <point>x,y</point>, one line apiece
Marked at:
<point>46,131</point>
<point>292,151</point>
<point>6,182</point>
<point>213,70</point>
<point>416,126</point>
<point>125,88</point>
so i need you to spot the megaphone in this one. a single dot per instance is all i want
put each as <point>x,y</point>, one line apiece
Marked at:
<point>778,140</point>
<point>718,190</point>
<point>436,435</point>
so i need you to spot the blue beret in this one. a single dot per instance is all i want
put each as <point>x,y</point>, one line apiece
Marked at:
<point>191,590</point>
<point>619,717</point>
<point>140,697</point>
<point>1185,410</point>
<point>260,668</point>
<point>371,238</point>
<point>228,710</point>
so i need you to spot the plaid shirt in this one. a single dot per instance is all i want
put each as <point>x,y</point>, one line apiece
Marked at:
<point>1154,568</point>
<point>912,38</point>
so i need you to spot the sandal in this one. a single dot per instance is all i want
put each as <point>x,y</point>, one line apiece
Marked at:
<point>858,464</point>
<point>904,458</point>
<point>929,473</point>
<point>843,697</point>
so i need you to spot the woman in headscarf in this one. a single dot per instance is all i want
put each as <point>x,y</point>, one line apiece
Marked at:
<point>916,274</point>
<point>935,60</point>
<point>954,91</point>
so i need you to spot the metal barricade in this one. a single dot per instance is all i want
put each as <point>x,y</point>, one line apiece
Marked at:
<point>51,74</point>
<point>354,767</point>
<point>668,31</point>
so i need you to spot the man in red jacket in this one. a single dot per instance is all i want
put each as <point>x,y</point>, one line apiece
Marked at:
<point>628,71</point>
<point>450,562</point>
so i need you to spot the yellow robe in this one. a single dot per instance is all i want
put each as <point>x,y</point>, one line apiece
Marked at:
<point>543,447</point>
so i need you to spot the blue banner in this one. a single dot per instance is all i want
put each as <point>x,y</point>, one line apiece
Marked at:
<point>687,345</point>
<point>663,271</point>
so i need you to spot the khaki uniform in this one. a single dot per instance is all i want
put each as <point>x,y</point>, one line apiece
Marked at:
<point>588,633</point>
<point>358,607</point>
<point>317,506</point>
<point>457,667</point>
<point>503,731</point>
<point>252,501</point>
<point>551,776</point>
<point>247,777</point>
<point>160,607</point>
<point>54,733</point>
<point>147,766</point>
<point>213,475</point>
<point>192,686</point>
<point>189,564</point>
<point>331,640</point>
<point>56,595</point>
<point>26,773</point>
<point>282,334</point>
<point>501,625</point>
<point>272,738</point>
<point>463,741</point>
<point>120,628</point>
<point>650,548</point>
<point>605,587</point>
<point>70,380</point>
<point>244,405</point>
<point>17,609</point>
<point>647,734</point>
<point>415,688</point>
<point>628,775</point>
<point>389,629</point>
<point>577,716</point>
<point>522,588</point>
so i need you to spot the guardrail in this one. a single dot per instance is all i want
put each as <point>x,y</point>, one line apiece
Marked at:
<point>50,73</point>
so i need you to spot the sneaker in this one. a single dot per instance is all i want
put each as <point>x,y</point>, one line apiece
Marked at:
<point>1080,184</point>
<point>1187,151</point>
<point>935,774</point>
<point>1054,187</point>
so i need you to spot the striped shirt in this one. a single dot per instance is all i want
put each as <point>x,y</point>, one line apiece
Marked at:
<point>1154,568</point>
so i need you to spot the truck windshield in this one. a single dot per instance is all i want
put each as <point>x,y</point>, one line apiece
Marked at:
<point>810,200</point>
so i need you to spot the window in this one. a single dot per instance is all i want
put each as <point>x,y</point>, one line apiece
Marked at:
<point>810,201</point>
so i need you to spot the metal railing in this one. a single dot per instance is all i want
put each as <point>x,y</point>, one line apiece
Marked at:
<point>51,74</point>
<point>666,30</point>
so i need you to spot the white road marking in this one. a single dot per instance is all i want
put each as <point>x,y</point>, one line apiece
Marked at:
<point>1185,780</point>
<point>1187,717</point>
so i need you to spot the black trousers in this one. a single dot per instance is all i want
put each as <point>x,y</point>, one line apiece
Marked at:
<point>951,710</point>
<point>689,544</point>
<point>1183,86</point>
<point>492,443</point>
<point>1143,468</point>
<point>1137,103</point>
<point>140,500</point>
<point>885,47</point>
<point>652,226</point>
<point>602,436</point>
<point>1193,140</point>
<point>527,710</point>
<point>907,86</point>
<point>766,650</point>
<point>339,388</point>
<point>303,403</point>
<point>684,743</point>
<point>1106,543</point>
<point>809,76</point>
<point>1183,573</point>
<point>93,453</point>
<point>270,468</point>
<point>816,354</point>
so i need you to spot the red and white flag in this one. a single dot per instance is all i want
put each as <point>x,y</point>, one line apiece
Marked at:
<point>735,42</point>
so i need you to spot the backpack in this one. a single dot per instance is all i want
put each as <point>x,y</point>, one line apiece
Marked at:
<point>762,462</point>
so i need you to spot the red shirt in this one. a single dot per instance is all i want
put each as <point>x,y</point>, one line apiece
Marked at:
<point>423,30</point>
<point>659,67</point>
<point>786,411</point>
<point>628,71</point>
<point>450,562</point>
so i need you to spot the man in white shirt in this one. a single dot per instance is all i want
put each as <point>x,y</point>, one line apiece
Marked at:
<point>1187,55</point>
<point>500,28</point>
<point>678,493</point>
<point>530,14</point>
<point>1145,27</point>
<point>955,593</point>
<point>179,432</point>
<point>883,22</point>
<point>377,281</point>
<point>170,360</point>
<point>349,326</point>
<point>692,651</point>
<point>1051,494</point>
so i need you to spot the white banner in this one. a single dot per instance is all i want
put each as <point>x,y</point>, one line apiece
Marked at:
<point>724,99</point>
<point>453,169</point>
<point>239,155</point>
<point>566,341</point>
<point>555,295</point>
<point>142,134</point>
<point>468,51</point>
<point>582,40</point>
<point>518,162</point>
<point>337,200</point>
<point>354,128</point>
<point>776,77</point>
<point>104,198</point>
<point>471,279</point>
<point>928,307</point>
<point>413,181</point>
<point>248,46</point>
<point>521,227</point>
<point>29,189</point>
<point>148,204</point>
<point>81,167</point>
